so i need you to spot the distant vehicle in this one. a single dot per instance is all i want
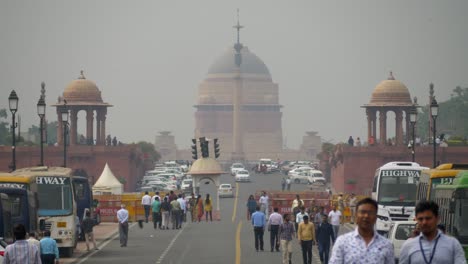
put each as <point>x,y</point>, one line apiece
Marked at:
<point>316,177</point>
<point>394,189</point>
<point>399,232</point>
<point>225,190</point>
<point>236,167</point>
<point>242,176</point>
<point>186,184</point>
<point>264,166</point>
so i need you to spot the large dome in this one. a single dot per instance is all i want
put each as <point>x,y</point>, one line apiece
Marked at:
<point>82,90</point>
<point>251,64</point>
<point>390,92</point>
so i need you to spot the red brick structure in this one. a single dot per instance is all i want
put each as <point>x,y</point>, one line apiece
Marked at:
<point>126,161</point>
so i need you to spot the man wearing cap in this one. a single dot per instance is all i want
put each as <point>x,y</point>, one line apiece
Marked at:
<point>122,217</point>
<point>306,237</point>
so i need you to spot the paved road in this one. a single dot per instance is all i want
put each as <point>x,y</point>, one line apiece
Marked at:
<point>227,241</point>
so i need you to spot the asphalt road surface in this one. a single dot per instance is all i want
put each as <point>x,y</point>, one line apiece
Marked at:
<point>230,240</point>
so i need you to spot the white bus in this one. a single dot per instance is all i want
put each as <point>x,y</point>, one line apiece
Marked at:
<point>395,185</point>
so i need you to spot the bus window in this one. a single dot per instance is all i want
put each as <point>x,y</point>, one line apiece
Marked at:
<point>16,206</point>
<point>79,190</point>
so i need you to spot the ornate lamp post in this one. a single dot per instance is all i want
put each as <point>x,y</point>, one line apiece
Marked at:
<point>41,109</point>
<point>413,117</point>
<point>65,127</point>
<point>434,113</point>
<point>13,103</point>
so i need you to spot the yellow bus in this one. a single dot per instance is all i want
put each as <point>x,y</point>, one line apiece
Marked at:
<point>443,174</point>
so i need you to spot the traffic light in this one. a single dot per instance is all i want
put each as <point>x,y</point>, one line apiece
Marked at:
<point>194,149</point>
<point>204,147</point>
<point>216,148</point>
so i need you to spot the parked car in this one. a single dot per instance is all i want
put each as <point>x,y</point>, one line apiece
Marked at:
<point>186,184</point>
<point>236,167</point>
<point>399,232</point>
<point>225,190</point>
<point>3,245</point>
<point>242,176</point>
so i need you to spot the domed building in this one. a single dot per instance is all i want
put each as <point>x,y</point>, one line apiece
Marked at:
<point>389,96</point>
<point>83,95</point>
<point>238,103</point>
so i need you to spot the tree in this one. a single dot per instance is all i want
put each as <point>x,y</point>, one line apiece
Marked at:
<point>5,135</point>
<point>149,150</point>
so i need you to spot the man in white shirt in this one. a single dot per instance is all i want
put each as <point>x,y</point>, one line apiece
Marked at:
<point>154,197</point>
<point>146,202</point>
<point>183,207</point>
<point>274,222</point>
<point>122,217</point>
<point>335,220</point>
<point>263,201</point>
<point>300,217</point>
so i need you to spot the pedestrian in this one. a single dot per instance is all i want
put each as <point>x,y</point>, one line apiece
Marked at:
<point>283,184</point>
<point>306,237</point>
<point>263,202</point>
<point>258,222</point>
<point>32,240</point>
<point>431,245</point>
<point>146,202</point>
<point>324,235</point>
<point>274,221</point>
<point>154,198</point>
<point>165,213</point>
<point>286,233</point>
<point>251,205</point>
<point>122,217</point>
<point>156,213</point>
<point>335,220</point>
<point>358,142</point>
<point>317,216</point>
<point>49,249</point>
<point>87,226</point>
<point>352,206</point>
<point>300,217</point>
<point>296,205</point>
<point>208,208</point>
<point>193,207</point>
<point>183,207</point>
<point>178,183</point>
<point>199,208</point>
<point>351,141</point>
<point>21,251</point>
<point>364,244</point>
<point>341,204</point>
<point>288,184</point>
<point>175,212</point>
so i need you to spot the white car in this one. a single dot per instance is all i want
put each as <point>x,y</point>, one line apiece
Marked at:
<point>242,176</point>
<point>186,184</point>
<point>236,167</point>
<point>225,190</point>
<point>399,232</point>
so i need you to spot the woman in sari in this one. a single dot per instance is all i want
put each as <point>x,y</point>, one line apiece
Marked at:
<point>199,208</point>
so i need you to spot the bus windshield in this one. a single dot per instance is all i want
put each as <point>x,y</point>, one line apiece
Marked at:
<point>398,187</point>
<point>438,181</point>
<point>55,196</point>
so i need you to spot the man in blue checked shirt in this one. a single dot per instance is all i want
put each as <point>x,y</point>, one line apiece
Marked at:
<point>258,222</point>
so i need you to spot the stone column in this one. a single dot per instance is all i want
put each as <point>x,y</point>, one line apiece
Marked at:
<point>383,126</point>
<point>369,123</point>
<point>98,127</point>
<point>89,126</point>
<point>398,127</point>
<point>374,125</point>
<point>409,131</point>
<point>59,126</point>
<point>103,127</point>
<point>73,126</point>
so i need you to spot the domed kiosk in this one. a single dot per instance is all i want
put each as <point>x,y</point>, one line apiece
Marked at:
<point>389,95</point>
<point>82,95</point>
<point>238,103</point>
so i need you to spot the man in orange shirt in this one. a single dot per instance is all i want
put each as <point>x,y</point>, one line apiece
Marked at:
<point>306,237</point>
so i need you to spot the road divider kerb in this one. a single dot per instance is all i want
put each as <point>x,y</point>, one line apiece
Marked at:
<point>238,243</point>
<point>234,211</point>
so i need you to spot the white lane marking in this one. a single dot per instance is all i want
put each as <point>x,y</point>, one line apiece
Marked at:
<point>103,245</point>
<point>161,258</point>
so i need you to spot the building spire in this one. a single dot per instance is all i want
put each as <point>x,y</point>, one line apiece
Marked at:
<point>238,27</point>
<point>238,46</point>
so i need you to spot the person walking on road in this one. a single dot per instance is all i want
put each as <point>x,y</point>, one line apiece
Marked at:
<point>208,208</point>
<point>251,206</point>
<point>193,207</point>
<point>263,202</point>
<point>364,244</point>
<point>122,217</point>
<point>32,240</point>
<point>352,206</point>
<point>335,220</point>
<point>288,184</point>
<point>183,207</point>
<point>49,249</point>
<point>431,245</point>
<point>300,217</point>
<point>175,212</point>
<point>258,222</point>
<point>146,202</point>
<point>287,233</point>
<point>283,184</point>
<point>156,213</point>
<point>88,224</point>
<point>306,237</point>
<point>165,213</point>
<point>324,235</point>
<point>274,221</point>
<point>296,205</point>
<point>199,208</point>
<point>21,251</point>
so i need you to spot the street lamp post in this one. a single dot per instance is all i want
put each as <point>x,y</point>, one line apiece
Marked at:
<point>413,117</point>
<point>434,113</point>
<point>41,108</point>
<point>65,126</point>
<point>13,103</point>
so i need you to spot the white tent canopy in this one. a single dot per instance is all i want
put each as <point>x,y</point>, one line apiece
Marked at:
<point>107,183</point>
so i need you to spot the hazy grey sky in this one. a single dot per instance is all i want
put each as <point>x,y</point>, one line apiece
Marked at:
<point>148,57</point>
